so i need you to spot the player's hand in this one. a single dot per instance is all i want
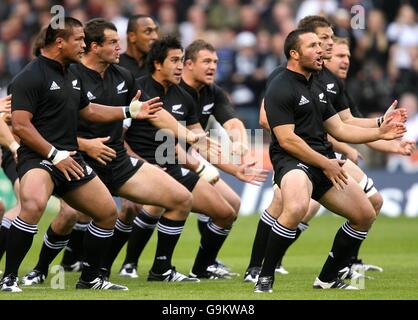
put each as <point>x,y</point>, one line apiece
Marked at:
<point>398,114</point>
<point>249,174</point>
<point>335,172</point>
<point>354,155</point>
<point>391,129</point>
<point>6,104</point>
<point>406,147</point>
<point>144,110</point>
<point>96,149</point>
<point>239,148</point>
<point>193,137</point>
<point>68,166</point>
<point>210,149</point>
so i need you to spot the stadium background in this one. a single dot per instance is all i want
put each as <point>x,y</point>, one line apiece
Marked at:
<point>249,36</point>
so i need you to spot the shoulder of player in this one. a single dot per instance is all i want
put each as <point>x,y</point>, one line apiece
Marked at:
<point>121,70</point>
<point>33,74</point>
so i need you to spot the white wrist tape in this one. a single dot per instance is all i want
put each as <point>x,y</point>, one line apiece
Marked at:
<point>14,146</point>
<point>134,109</point>
<point>207,172</point>
<point>56,156</point>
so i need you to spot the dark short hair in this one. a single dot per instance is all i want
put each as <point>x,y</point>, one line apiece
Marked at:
<point>53,33</point>
<point>94,31</point>
<point>193,49</point>
<point>313,22</point>
<point>292,41</point>
<point>38,42</point>
<point>133,22</point>
<point>159,50</point>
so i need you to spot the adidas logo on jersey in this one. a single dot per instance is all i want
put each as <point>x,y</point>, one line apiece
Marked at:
<point>175,109</point>
<point>75,85</point>
<point>54,86</point>
<point>120,87</point>
<point>303,101</point>
<point>321,97</point>
<point>329,87</point>
<point>184,171</point>
<point>90,96</point>
<point>207,109</point>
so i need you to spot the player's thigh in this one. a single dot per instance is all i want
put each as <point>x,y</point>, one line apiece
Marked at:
<point>151,185</point>
<point>36,188</point>
<point>351,203</point>
<point>296,190</point>
<point>228,194</point>
<point>93,199</point>
<point>207,200</point>
<point>353,170</point>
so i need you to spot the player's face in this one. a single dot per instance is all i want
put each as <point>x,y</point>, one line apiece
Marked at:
<point>204,68</point>
<point>73,47</point>
<point>326,35</point>
<point>109,50</point>
<point>145,34</point>
<point>172,67</point>
<point>340,61</point>
<point>310,52</point>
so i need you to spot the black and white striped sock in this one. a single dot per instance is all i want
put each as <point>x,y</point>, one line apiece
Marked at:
<point>279,240</point>
<point>142,230</point>
<point>96,242</point>
<point>74,249</point>
<point>53,244</point>
<point>260,240</point>
<point>118,240</point>
<point>345,242</point>
<point>211,242</point>
<point>202,220</point>
<point>19,241</point>
<point>4,230</point>
<point>169,232</point>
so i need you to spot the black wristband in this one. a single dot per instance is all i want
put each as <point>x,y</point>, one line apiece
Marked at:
<point>54,153</point>
<point>127,112</point>
<point>380,121</point>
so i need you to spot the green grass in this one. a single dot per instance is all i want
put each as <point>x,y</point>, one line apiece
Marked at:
<point>392,244</point>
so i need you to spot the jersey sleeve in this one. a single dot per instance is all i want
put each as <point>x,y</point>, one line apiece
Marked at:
<point>191,111</point>
<point>84,101</point>
<point>223,107</point>
<point>340,102</point>
<point>279,104</point>
<point>26,91</point>
<point>329,112</point>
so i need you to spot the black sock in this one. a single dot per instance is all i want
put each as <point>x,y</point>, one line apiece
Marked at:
<point>19,241</point>
<point>354,256</point>
<point>4,230</point>
<point>202,220</point>
<point>343,247</point>
<point>211,242</point>
<point>52,245</point>
<point>260,240</point>
<point>301,227</point>
<point>74,250</point>
<point>118,240</point>
<point>96,242</point>
<point>169,232</point>
<point>142,230</point>
<point>279,240</point>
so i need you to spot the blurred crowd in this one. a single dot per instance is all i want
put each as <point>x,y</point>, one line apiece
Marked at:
<point>249,37</point>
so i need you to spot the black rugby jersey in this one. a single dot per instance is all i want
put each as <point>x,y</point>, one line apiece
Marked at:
<point>334,88</point>
<point>116,88</point>
<point>54,95</point>
<point>132,65</point>
<point>142,135</point>
<point>210,100</point>
<point>292,99</point>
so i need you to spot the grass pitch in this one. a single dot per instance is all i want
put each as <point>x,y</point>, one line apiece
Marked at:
<point>392,244</point>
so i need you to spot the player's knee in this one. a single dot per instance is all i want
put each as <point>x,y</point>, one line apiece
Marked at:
<point>296,208</point>
<point>377,202</point>
<point>235,203</point>
<point>68,215</point>
<point>33,206</point>
<point>184,202</point>
<point>129,210</point>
